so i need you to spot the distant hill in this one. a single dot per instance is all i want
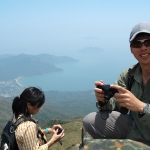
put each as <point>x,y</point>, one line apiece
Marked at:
<point>5,112</point>
<point>66,105</point>
<point>65,108</point>
<point>91,50</point>
<point>55,59</point>
<point>59,105</point>
<point>3,56</point>
<point>29,65</point>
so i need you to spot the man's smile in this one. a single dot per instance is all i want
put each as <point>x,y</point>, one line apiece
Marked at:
<point>145,55</point>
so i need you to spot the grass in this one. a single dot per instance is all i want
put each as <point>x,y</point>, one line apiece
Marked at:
<point>72,137</point>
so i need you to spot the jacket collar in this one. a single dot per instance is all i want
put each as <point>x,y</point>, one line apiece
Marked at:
<point>136,71</point>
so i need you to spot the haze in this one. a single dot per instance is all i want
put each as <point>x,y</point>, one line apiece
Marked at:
<point>64,27</point>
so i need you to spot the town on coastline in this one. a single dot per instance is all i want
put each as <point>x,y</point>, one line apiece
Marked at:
<point>10,88</point>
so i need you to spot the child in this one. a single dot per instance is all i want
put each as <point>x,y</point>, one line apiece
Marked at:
<point>28,135</point>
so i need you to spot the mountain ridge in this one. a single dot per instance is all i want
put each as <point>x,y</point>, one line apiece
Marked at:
<point>58,105</point>
<point>15,66</point>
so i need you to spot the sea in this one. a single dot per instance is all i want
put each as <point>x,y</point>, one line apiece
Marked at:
<point>81,75</point>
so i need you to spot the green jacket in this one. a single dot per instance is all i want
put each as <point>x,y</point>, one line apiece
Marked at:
<point>142,129</point>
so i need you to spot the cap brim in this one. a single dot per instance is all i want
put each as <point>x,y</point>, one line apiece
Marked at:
<point>142,31</point>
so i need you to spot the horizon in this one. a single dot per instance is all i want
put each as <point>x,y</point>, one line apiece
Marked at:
<point>66,27</point>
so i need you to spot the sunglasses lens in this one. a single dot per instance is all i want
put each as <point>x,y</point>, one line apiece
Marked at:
<point>147,42</point>
<point>136,44</point>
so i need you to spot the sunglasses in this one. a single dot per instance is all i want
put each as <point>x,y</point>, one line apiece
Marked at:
<point>138,43</point>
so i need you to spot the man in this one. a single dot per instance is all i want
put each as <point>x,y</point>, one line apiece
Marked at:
<point>109,123</point>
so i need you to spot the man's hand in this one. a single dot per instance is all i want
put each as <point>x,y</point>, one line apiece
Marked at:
<point>126,99</point>
<point>99,93</point>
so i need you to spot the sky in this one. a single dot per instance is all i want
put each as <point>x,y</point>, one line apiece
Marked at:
<point>65,27</point>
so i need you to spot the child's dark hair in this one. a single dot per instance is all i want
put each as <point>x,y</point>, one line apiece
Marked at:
<point>31,95</point>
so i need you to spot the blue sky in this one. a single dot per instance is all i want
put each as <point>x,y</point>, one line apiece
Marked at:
<point>63,27</point>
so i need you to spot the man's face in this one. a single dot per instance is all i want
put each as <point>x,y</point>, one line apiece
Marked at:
<point>142,53</point>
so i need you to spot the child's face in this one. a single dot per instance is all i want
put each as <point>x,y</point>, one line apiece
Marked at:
<point>32,109</point>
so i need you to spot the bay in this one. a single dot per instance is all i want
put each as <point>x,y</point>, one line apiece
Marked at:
<point>78,76</point>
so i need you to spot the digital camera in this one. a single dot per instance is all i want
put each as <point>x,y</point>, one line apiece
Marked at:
<point>59,131</point>
<point>109,92</point>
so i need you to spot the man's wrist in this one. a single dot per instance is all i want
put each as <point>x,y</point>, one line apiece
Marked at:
<point>145,109</point>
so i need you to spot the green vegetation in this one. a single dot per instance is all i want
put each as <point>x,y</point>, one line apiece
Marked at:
<point>72,137</point>
<point>58,106</point>
<point>66,105</point>
<point>5,112</point>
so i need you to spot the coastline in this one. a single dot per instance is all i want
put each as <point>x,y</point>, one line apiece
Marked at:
<point>17,81</point>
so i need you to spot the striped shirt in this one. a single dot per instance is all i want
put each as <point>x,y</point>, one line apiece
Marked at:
<point>26,137</point>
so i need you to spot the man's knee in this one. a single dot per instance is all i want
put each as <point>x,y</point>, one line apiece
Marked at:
<point>88,120</point>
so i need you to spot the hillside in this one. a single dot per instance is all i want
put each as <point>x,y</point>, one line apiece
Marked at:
<point>58,105</point>
<point>13,67</point>
<point>67,105</point>
<point>55,59</point>
<point>5,112</point>
<point>65,108</point>
<point>72,137</point>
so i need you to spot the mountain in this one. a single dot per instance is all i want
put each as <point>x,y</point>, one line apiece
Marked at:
<point>91,50</point>
<point>5,112</point>
<point>55,59</point>
<point>58,105</point>
<point>13,67</point>
<point>66,105</point>
<point>3,56</point>
<point>65,108</point>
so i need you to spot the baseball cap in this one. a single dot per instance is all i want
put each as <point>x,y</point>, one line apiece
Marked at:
<point>142,27</point>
